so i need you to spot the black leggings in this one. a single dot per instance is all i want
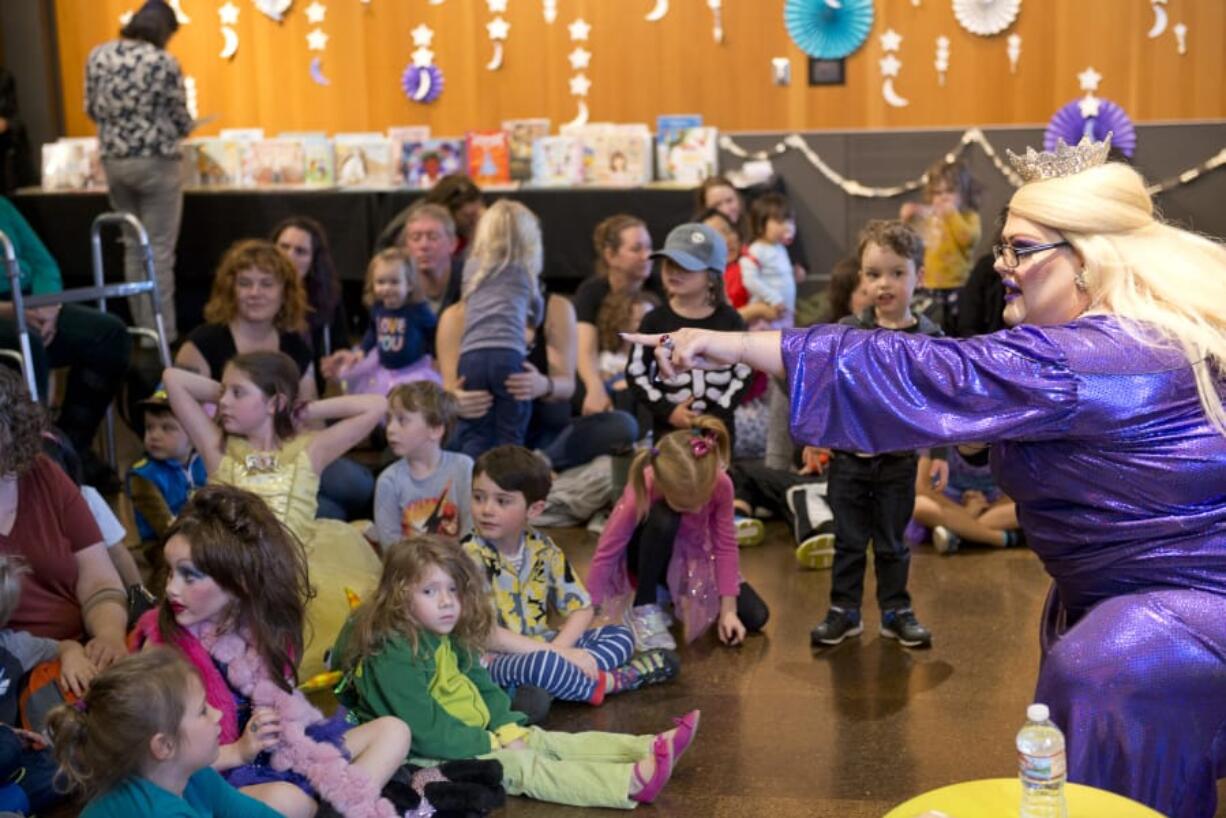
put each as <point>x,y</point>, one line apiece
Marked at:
<point>651,549</point>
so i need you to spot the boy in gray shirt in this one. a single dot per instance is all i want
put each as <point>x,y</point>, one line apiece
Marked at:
<point>428,490</point>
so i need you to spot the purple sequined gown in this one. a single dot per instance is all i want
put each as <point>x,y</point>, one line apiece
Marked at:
<point>1120,484</point>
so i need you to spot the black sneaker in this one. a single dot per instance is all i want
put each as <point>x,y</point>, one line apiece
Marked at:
<point>903,626</point>
<point>837,626</point>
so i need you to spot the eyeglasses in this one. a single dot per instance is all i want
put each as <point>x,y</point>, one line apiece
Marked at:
<point>1012,256</point>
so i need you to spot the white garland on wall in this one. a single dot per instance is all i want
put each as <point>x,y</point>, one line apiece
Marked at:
<point>974,136</point>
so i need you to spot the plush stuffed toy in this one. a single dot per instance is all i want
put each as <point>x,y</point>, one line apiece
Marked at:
<point>470,788</point>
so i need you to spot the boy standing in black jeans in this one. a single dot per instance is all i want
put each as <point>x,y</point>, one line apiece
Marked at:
<point>873,496</point>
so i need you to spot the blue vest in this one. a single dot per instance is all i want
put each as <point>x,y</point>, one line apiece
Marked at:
<point>175,482</point>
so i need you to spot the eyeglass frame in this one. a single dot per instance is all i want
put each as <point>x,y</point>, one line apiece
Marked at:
<point>998,252</point>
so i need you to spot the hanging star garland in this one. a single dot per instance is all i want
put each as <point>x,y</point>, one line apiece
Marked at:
<point>422,80</point>
<point>498,29</point>
<point>580,58</point>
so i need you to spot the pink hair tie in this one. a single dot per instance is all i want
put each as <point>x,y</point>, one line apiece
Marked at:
<point>80,706</point>
<point>700,445</point>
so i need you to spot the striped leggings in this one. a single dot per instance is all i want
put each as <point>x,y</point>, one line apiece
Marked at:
<point>612,645</point>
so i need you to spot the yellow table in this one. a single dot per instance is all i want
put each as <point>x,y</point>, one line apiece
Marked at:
<point>1002,798</point>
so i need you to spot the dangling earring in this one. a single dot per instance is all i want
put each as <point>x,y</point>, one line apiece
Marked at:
<point>1079,279</point>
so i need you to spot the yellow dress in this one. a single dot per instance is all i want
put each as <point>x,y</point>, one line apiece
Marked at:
<point>338,557</point>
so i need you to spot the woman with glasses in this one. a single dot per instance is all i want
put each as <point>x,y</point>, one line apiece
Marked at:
<point>1104,405</point>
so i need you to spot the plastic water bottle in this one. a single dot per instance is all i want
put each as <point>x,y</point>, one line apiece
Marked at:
<point>1041,765</point>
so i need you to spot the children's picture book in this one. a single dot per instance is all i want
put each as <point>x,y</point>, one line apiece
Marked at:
<point>274,162</point>
<point>73,163</point>
<point>319,163</point>
<point>242,134</point>
<point>669,124</point>
<point>557,161</point>
<point>616,155</point>
<point>363,160</point>
<point>212,162</point>
<point>424,163</point>
<point>403,136</point>
<point>688,155</point>
<point>521,134</point>
<point>488,158</point>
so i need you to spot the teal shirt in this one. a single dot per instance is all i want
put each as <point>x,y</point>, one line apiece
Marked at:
<point>207,795</point>
<point>39,272</point>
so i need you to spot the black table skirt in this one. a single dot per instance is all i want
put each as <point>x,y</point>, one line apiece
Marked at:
<point>212,220</point>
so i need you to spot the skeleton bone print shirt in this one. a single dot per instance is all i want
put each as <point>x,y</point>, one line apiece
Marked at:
<point>715,392</point>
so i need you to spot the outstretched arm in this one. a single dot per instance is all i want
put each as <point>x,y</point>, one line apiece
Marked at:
<point>188,392</point>
<point>705,349</point>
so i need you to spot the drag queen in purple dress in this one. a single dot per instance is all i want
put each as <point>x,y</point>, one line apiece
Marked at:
<point>1104,405</point>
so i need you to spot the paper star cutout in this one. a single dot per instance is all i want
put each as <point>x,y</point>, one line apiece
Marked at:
<point>228,14</point>
<point>1089,106</point>
<point>943,42</point>
<point>497,6</point>
<point>317,40</point>
<point>580,58</point>
<point>579,85</point>
<point>579,29</point>
<point>1089,79</point>
<point>498,28</point>
<point>891,40</point>
<point>315,12</point>
<point>423,57</point>
<point>890,65</point>
<point>423,35</point>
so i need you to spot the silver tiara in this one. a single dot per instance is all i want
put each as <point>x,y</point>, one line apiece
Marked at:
<point>1064,161</point>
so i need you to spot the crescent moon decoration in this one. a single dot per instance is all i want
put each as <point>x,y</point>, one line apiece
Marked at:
<point>317,72</point>
<point>422,84</point>
<point>580,118</point>
<point>891,96</point>
<point>1160,19</point>
<point>180,17</point>
<point>230,48</point>
<point>717,20</point>
<point>495,61</point>
<point>1181,38</point>
<point>657,13</point>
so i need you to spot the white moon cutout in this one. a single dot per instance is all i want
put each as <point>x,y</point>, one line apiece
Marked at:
<point>230,47</point>
<point>657,13</point>
<point>580,118</point>
<point>424,84</point>
<point>891,96</point>
<point>495,61</point>
<point>1159,21</point>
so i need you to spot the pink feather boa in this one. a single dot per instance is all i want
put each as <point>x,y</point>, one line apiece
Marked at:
<point>344,786</point>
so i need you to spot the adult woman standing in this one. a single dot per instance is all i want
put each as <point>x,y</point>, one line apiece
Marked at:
<point>305,244</point>
<point>72,590</point>
<point>1119,372</point>
<point>623,263</point>
<point>258,304</point>
<point>134,91</point>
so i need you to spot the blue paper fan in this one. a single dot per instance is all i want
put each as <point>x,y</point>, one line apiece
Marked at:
<point>826,32</point>
<point>1070,124</point>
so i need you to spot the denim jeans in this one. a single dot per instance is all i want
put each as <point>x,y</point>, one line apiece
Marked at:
<point>587,437</point>
<point>150,188</point>
<point>507,420</point>
<point>872,499</point>
<point>346,489</point>
<point>95,347</point>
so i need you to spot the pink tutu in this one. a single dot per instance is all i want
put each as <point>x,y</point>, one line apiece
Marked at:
<point>367,377</point>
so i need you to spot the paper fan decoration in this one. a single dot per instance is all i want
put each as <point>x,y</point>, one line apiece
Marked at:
<point>986,17</point>
<point>828,30</point>
<point>422,83</point>
<point>1071,123</point>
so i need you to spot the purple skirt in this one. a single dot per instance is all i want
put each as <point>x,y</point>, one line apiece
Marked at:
<point>329,731</point>
<point>1138,684</point>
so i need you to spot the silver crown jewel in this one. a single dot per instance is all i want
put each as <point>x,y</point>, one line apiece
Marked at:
<point>1064,161</point>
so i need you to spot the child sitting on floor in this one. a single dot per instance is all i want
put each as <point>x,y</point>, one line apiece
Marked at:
<point>413,651</point>
<point>529,576</point>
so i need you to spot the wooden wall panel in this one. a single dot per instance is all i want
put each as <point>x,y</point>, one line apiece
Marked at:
<point>641,69</point>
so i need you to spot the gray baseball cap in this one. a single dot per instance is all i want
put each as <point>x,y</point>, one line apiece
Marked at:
<point>695,247</point>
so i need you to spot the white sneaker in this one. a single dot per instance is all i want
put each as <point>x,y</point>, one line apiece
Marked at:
<point>809,508</point>
<point>649,624</point>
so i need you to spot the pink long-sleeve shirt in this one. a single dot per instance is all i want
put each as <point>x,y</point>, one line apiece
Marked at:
<point>705,564</point>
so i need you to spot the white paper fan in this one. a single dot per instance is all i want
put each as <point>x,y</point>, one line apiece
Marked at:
<point>986,17</point>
